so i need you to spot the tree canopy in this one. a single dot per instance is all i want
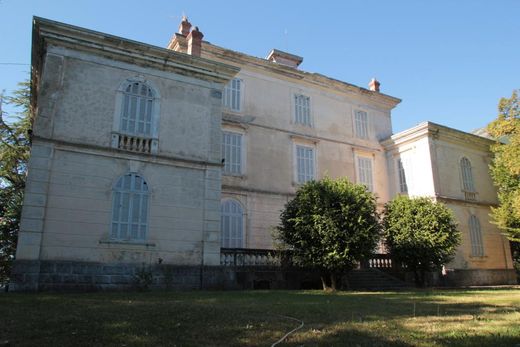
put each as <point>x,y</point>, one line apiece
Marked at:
<point>14,153</point>
<point>420,233</point>
<point>505,168</point>
<point>330,225</point>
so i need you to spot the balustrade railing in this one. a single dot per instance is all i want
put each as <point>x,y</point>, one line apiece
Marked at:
<point>134,143</point>
<point>269,257</point>
<point>251,257</point>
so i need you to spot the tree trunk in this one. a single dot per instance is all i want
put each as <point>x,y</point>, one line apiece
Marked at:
<point>333,281</point>
<point>324,282</point>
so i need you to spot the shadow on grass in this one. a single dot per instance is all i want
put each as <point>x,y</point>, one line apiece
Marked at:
<point>253,318</point>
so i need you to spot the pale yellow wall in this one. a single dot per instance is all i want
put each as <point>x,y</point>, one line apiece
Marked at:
<point>435,153</point>
<point>448,156</point>
<point>497,253</point>
<point>266,121</point>
<point>73,167</point>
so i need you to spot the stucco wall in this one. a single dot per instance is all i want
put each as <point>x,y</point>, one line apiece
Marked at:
<point>266,122</point>
<point>73,167</point>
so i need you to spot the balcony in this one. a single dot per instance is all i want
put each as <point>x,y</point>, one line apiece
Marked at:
<point>470,196</point>
<point>133,143</point>
<point>252,257</point>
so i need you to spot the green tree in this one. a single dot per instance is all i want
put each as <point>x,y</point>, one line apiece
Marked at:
<point>420,233</point>
<point>14,153</point>
<point>505,168</point>
<point>330,225</point>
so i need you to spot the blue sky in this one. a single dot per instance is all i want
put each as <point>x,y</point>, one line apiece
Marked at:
<point>449,61</point>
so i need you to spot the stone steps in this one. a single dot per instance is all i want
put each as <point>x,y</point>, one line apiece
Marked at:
<point>372,279</point>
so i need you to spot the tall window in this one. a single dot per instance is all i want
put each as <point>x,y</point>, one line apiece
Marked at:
<point>232,224</point>
<point>130,208</point>
<point>403,187</point>
<point>232,152</point>
<point>302,110</point>
<point>304,163</point>
<point>361,124</point>
<point>467,179</point>
<point>365,172</point>
<point>232,95</point>
<point>475,233</point>
<point>137,109</point>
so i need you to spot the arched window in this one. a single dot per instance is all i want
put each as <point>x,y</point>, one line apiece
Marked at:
<point>477,246</point>
<point>130,208</point>
<point>467,178</point>
<point>232,224</point>
<point>136,117</point>
<point>137,109</point>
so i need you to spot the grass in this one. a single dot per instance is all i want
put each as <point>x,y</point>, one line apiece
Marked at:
<point>255,318</point>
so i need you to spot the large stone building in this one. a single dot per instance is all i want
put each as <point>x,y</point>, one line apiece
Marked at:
<point>147,156</point>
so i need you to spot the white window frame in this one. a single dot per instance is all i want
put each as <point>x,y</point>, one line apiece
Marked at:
<point>476,236</point>
<point>467,179</point>
<point>402,180</point>
<point>302,114</point>
<point>227,95</point>
<point>357,133</point>
<point>238,242</point>
<point>117,220</point>
<point>119,109</point>
<point>243,151</point>
<point>359,177</point>
<point>305,146</point>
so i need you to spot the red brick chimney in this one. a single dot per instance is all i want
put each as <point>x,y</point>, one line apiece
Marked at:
<point>373,85</point>
<point>195,42</point>
<point>185,26</point>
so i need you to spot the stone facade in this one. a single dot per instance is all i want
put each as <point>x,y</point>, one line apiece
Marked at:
<point>229,139</point>
<point>431,157</point>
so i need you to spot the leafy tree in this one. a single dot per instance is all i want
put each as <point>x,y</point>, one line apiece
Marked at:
<point>505,168</point>
<point>14,153</point>
<point>420,233</point>
<point>330,225</point>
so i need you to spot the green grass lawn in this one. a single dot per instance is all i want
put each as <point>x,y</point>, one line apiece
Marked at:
<point>256,318</point>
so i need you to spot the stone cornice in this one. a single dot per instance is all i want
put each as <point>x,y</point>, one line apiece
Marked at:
<point>211,51</point>
<point>47,32</point>
<point>437,132</point>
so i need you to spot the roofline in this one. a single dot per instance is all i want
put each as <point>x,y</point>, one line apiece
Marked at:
<point>47,31</point>
<point>430,128</point>
<point>297,74</point>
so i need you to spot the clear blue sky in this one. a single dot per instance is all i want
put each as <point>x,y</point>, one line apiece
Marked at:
<point>449,61</point>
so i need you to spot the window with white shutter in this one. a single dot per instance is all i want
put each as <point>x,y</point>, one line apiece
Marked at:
<point>232,224</point>
<point>302,110</point>
<point>130,208</point>
<point>305,168</point>
<point>232,152</point>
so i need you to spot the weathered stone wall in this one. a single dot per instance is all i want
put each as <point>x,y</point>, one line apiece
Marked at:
<point>90,276</point>
<point>73,166</point>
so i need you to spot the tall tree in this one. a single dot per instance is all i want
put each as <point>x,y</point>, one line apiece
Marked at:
<point>505,168</point>
<point>420,233</point>
<point>330,226</point>
<point>14,153</point>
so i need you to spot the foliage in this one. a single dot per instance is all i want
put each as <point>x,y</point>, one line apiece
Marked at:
<point>14,153</point>
<point>330,225</point>
<point>505,168</point>
<point>420,233</point>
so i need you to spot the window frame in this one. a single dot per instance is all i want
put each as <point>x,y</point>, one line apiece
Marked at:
<point>118,114</point>
<point>242,221</point>
<point>401,176</point>
<point>243,151</point>
<point>241,91</point>
<point>131,193</point>
<point>296,174</point>
<point>476,237</point>
<point>355,124</point>
<point>467,179</point>
<point>358,157</point>
<point>296,106</point>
